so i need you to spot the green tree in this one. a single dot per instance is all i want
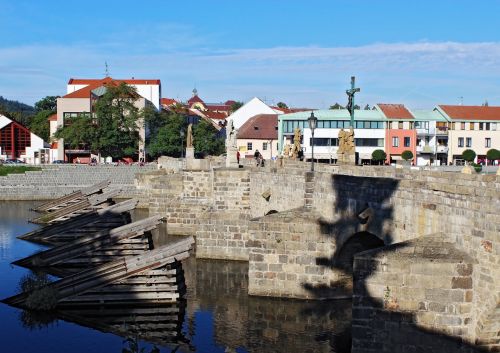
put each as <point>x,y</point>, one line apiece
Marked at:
<point>77,132</point>
<point>367,107</point>
<point>235,106</point>
<point>336,106</point>
<point>407,155</point>
<point>469,155</point>
<point>282,105</point>
<point>168,141</point>
<point>493,154</point>
<point>39,124</point>
<point>379,156</point>
<point>47,103</point>
<point>205,139</point>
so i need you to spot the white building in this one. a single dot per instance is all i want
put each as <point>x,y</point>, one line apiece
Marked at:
<point>250,109</point>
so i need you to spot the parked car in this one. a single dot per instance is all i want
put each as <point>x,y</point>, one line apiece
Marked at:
<point>14,161</point>
<point>59,161</point>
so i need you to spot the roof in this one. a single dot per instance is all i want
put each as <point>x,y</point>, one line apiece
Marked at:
<point>395,111</point>
<point>86,91</point>
<point>262,126</point>
<point>336,114</point>
<point>214,115</point>
<point>91,81</point>
<point>470,112</point>
<point>195,99</point>
<point>168,101</point>
<point>427,115</point>
<point>53,117</point>
<point>218,107</point>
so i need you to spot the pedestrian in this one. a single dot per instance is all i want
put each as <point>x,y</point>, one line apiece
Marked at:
<point>257,157</point>
<point>238,156</point>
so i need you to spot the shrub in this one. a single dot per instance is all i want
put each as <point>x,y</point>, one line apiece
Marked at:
<point>40,295</point>
<point>407,155</point>
<point>469,155</point>
<point>379,155</point>
<point>477,167</point>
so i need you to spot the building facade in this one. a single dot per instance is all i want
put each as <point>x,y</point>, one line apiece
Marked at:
<point>259,133</point>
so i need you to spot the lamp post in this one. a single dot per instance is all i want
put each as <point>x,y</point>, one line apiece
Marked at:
<point>313,121</point>
<point>182,143</point>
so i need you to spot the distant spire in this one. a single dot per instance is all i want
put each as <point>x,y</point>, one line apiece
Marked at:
<point>195,92</point>
<point>106,72</point>
<point>461,100</point>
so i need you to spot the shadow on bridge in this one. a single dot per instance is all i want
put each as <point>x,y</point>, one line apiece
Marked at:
<point>376,327</point>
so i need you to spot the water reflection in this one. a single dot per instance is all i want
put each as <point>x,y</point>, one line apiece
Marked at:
<point>217,316</point>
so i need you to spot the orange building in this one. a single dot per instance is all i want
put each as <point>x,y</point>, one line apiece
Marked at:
<point>400,133</point>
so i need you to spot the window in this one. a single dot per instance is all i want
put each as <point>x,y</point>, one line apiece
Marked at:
<point>249,146</point>
<point>460,142</point>
<point>395,142</point>
<point>487,142</point>
<point>324,141</point>
<point>453,126</point>
<point>494,126</point>
<point>468,142</point>
<point>264,146</point>
<point>462,126</point>
<point>407,141</point>
<point>487,126</point>
<point>369,142</point>
<point>481,126</point>
<point>471,126</point>
<point>400,125</point>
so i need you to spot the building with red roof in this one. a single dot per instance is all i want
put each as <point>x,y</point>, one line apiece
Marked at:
<point>259,133</point>
<point>81,93</point>
<point>400,132</point>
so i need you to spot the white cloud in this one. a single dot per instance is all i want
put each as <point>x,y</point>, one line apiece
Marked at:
<point>418,74</point>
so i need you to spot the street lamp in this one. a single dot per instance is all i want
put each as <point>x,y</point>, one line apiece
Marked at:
<point>313,121</point>
<point>182,143</point>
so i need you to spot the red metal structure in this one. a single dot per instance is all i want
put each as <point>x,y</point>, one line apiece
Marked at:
<point>14,138</point>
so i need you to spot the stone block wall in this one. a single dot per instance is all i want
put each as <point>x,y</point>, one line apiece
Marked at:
<point>413,296</point>
<point>288,258</point>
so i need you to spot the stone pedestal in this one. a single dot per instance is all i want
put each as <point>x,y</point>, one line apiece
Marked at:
<point>231,159</point>
<point>189,152</point>
<point>346,158</point>
<point>468,170</point>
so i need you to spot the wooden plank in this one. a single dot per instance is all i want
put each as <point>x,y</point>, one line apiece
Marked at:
<point>96,188</point>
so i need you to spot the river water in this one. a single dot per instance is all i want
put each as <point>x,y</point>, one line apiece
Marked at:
<point>217,316</point>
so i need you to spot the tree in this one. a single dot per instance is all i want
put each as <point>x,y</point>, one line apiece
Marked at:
<point>282,105</point>
<point>47,103</point>
<point>336,106</point>
<point>205,139</point>
<point>168,141</point>
<point>493,154</point>
<point>469,155</point>
<point>77,132</point>
<point>379,156</point>
<point>235,106</point>
<point>39,124</point>
<point>367,107</point>
<point>407,155</point>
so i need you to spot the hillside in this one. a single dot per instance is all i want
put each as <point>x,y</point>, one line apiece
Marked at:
<point>15,106</point>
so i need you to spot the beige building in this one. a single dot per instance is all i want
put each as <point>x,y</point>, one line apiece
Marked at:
<point>78,101</point>
<point>471,127</point>
<point>259,133</point>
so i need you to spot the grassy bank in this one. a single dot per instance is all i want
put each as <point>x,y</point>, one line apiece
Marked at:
<point>15,169</point>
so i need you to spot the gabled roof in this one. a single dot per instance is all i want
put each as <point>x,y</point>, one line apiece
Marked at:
<point>262,126</point>
<point>195,99</point>
<point>53,117</point>
<point>395,111</point>
<point>470,112</point>
<point>85,81</point>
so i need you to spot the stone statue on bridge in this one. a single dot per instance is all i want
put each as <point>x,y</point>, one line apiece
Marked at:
<point>189,137</point>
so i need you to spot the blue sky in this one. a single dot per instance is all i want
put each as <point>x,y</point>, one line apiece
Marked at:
<point>419,53</point>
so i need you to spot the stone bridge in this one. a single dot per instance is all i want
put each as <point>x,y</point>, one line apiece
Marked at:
<point>418,251</point>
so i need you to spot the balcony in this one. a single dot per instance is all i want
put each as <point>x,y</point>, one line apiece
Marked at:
<point>441,149</point>
<point>442,130</point>
<point>425,149</point>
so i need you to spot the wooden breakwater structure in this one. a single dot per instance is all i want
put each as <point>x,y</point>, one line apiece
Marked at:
<point>102,258</point>
<point>75,204</point>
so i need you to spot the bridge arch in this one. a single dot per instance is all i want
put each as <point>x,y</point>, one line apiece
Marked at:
<point>358,242</point>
